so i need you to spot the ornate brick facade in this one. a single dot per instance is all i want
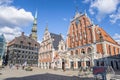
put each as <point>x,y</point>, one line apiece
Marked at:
<point>88,45</point>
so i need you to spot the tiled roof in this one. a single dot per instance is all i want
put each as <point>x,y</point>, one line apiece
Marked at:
<point>25,39</point>
<point>56,39</point>
<point>107,37</point>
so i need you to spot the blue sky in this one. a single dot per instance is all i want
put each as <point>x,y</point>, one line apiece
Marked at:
<point>57,14</point>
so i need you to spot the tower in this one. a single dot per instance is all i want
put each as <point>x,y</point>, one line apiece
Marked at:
<point>34,28</point>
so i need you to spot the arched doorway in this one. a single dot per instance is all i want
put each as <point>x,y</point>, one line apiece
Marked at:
<point>63,64</point>
<point>79,64</point>
<point>72,65</point>
<point>86,62</point>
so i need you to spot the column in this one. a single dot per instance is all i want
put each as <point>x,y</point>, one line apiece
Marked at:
<point>93,33</point>
<point>105,53</point>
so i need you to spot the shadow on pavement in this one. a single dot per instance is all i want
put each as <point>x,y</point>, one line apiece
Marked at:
<point>48,76</point>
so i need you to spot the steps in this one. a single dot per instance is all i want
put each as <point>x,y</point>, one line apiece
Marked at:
<point>116,77</point>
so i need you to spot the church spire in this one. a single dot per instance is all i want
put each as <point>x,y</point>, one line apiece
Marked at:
<point>46,29</point>
<point>36,14</point>
<point>34,28</point>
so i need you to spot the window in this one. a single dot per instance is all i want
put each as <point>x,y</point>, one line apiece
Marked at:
<point>118,51</point>
<point>114,50</point>
<point>89,50</point>
<point>61,47</point>
<point>71,52</point>
<point>109,50</point>
<point>82,51</point>
<point>29,43</point>
<point>35,45</point>
<point>21,42</point>
<point>76,52</point>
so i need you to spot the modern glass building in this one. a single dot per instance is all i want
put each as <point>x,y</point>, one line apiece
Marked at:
<point>2,47</point>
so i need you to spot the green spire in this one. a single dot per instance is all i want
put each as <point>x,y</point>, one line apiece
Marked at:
<point>34,28</point>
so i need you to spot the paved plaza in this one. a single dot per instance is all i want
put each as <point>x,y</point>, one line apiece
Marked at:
<point>44,74</point>
<point>39,74</point>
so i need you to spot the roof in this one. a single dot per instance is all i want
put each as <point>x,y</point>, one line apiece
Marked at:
<point>25,39</point>
<point>107,37</point>
<point>56,39</point>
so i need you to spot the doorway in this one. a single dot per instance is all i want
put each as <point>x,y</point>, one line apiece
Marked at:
<point>72,65</point>
<point>88,63</point>
<point>79,64</point>
<point>63,64</point>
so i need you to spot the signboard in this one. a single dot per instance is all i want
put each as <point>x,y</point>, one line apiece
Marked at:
<point>100,70</point>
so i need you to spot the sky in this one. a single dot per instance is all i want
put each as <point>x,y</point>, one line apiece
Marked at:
<point>17,16</point>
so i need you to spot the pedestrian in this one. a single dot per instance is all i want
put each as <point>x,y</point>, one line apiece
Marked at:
<point>23,67</point>
<point>10,66</point>
<point>17,67</point>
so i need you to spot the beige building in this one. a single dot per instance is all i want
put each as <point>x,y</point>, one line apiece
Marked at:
<point>23,50</point>
<point>49,50</point>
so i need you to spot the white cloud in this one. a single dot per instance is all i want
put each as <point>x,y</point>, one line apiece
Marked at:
<point>117,37</point>
<point>86,1</point>
<point>5,2</point>
<point>115,17</point>
<point>102,7</point>
<point>12,19</point>
<point>10,33</point>
<point>10,15</point>
<point>39,41</point>
<point>105,6</point>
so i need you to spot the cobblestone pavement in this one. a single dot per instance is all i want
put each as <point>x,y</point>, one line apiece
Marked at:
<point>39,74</point>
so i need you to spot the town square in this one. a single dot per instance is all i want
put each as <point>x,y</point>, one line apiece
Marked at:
<point>59,40</point>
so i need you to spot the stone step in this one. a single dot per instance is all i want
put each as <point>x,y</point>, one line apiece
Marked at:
<point>116,77</point>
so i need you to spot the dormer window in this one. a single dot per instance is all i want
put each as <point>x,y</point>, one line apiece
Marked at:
<point>21,42</point>
<point>29,43</point>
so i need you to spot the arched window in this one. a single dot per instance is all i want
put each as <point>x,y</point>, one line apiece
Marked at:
<point>109,50</point>
<point>83,51</point>
<point>61,47</point>
<point>114,50</point>
<point>71,52</point>
<point>117,50</point>
<point>76,52</point>
<point>89,50</point>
